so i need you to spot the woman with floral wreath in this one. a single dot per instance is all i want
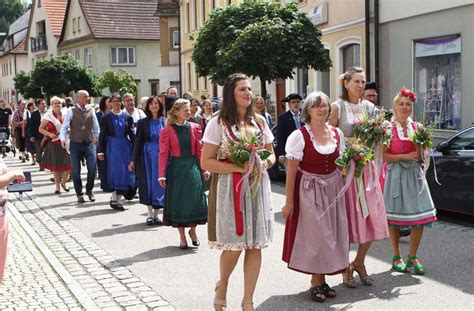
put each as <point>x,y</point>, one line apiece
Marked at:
<point>406,194</point>
<point>238,222</point>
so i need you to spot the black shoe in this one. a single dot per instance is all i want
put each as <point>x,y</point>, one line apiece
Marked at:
<point>80,199</point>
<point>149,221</point>
<point>183,246</point>
<point>52,179</point>
<point>157,221</point>
<point>404,232</point>
<point>116,206</point>
<point>195,242</point>
<point>91,196</point>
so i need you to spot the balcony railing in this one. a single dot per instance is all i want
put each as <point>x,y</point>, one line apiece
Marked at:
<point>38,43</point>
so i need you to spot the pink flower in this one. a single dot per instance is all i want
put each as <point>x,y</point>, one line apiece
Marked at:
<point>356,157</point>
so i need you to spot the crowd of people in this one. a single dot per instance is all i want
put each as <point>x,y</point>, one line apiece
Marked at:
<point>172,150</point>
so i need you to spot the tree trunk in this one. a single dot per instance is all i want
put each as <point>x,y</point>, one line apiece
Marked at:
<point>263,88</point>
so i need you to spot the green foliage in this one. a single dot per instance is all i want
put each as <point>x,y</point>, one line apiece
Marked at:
<point>118,82</point>
<point>260,39</point>
<point>57,76</point>
<point>10,10</point>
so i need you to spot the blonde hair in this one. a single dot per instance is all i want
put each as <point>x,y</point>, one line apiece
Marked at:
<point>178,104</point>
<point>396,102</point>
<point>264,104</point>
<point>56,100</point>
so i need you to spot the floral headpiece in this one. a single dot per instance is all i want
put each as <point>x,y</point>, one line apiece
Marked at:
<point>407,93</point>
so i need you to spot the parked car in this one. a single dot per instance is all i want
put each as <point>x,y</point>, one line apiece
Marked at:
<point>454,165</point>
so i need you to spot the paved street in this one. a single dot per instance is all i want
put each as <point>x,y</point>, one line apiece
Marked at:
<point>110,259</point>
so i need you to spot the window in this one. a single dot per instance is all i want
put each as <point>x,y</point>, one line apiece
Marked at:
<point>123,56</point>
<point>188,18</point>
<point>205,83</point>
<point>79,24</point>
<point>196,80</point>
<point>175,39</point>
<point>195,19</point>
<point>438,82</point>
<point>39,3</point>
<point>213,6</point>
<point>229,2</point>
<point>88,56</point>
<point>203,11</point>
<point>74,25</point>
<point>302,80</point>
<point>155,87</point>
<point>464,141</point>
<point>77,55</point>
<point>350,56</point>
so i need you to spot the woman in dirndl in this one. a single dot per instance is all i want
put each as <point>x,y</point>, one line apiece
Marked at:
<point>116,139</point>
<point>366,214</point>
<point>237,223</point>
<point>407,196</point>
<point>316,233</point>
<point>145,159</point>
<point>180,173</point>
<point>55,157</point>
<point>6,177</point>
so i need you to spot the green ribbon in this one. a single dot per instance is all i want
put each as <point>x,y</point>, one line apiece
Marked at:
<point>361,192</point>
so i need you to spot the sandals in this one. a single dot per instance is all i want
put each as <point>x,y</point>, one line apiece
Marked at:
<point>317,293</point>
<point>419,268</point>
<point>149,221</point>
<point>399,267</point>
<point>328,291</point>
<point>348,277</point>
<point>219,304</point>
<point>364,277</point>
<point>246,303</point>
<point>157,221</point>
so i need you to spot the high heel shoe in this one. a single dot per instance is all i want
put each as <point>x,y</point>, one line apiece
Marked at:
<point>399,267</point>
<point>219,304</point>
<point>195,242</point>
<point>364,277</point>
<point>348,277</point>
<point>419,268</point>
<point>246,303</point>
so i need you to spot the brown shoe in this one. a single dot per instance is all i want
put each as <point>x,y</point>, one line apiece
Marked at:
<point>91,196</point>
<point>80,199</point>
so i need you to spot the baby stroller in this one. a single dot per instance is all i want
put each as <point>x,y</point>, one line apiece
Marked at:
<point>5,144</point>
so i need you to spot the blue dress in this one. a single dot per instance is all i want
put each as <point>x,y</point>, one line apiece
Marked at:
<point>119,155</point>
<point>156,194</point>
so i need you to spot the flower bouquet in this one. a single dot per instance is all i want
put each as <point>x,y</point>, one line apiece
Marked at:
<point>358,153</point>
<point>423,138</point>
<point>244,149</point>
<point>374,131</point>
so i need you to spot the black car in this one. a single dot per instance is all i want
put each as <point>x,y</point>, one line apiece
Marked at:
<point>454,164</point>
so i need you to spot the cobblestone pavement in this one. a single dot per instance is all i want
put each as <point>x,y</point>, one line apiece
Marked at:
<point>54,265</point>
<point>30,282</point>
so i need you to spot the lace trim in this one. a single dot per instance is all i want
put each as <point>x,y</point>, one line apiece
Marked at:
<point>235,246</point>
<point>323,149</point>
<point>410,130</point>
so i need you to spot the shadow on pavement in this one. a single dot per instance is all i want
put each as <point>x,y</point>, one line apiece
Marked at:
<point>121,229</point>
<point>387,287</point>
<point>159,253</point>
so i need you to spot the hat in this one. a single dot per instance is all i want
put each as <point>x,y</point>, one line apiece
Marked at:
<point>371,86</point>
<point>291,97</point>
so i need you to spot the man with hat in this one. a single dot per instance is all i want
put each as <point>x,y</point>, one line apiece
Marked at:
<point>371,94</point>
<point>287,122</point>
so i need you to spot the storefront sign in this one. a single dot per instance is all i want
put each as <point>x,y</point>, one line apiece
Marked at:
<point>441,46</point>
<point>319,14</point>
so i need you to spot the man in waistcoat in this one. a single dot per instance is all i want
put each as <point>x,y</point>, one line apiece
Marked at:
<point>83,135</point>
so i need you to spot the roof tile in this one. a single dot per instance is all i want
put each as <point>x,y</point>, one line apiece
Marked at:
<point>56,9</point>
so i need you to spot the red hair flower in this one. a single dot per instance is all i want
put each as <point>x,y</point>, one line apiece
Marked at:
<point>407,93</point>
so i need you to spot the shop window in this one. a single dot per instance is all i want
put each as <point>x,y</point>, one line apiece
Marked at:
<point>438,82</point>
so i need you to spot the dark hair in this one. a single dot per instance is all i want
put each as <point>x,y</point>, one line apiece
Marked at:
<point>29,105</point>
<point>102,102</point>
<point>228,111</point>
<point>347,76</point>
<point>148,103</point>
<point>117,95</point>
<point>38,102</point>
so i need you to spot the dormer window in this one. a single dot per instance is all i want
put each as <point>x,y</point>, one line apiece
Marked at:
<point>39,3</point>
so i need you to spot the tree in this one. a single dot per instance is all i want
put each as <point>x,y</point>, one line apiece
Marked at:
<point>258,38</point>
<point>57,76</point>
<point>118,82</point>
<point>10,10</point>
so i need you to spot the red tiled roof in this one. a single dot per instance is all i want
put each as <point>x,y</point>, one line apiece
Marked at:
<point>118,19</point>
<point>20,48</point>
<point>56,9</point>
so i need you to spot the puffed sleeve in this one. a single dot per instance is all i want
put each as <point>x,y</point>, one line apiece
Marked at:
<point>164,151</point>
<point>295,146</point>
<point>342,144</point>
<point>213,132</point>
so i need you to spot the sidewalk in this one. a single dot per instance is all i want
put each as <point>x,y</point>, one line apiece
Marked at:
<point>53,265</point>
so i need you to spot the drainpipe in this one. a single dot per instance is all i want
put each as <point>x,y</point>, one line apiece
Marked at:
<point>367,40</point>
<point>179,54</point>
<point>376,42</point>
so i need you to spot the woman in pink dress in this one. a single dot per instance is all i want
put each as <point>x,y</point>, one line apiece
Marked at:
<point>316,235</point>
<point>366,214</point>
<point>5,178</point>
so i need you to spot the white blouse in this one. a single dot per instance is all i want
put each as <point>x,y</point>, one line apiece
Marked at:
<point>410,130</point>
<point>295,144</point>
